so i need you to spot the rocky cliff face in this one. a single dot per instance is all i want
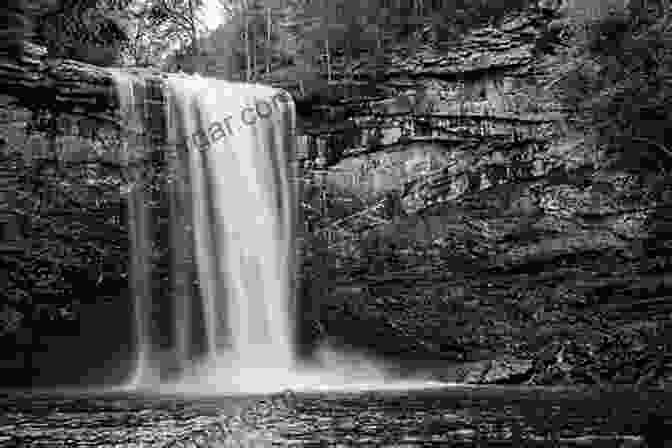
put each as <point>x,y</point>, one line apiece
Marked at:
<point>461,110</point>
<point>536,243</point>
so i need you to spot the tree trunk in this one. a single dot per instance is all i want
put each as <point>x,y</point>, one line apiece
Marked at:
<point>268,41</point>
<point>327,49</point>
<point>194,33</point>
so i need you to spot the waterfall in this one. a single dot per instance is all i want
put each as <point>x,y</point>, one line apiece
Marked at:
<point>130,91</point>
<point>231,210</point>
<point>226,324</point>
<point>239,143</point>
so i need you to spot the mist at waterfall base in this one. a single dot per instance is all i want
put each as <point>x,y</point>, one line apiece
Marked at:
<point>233,214</point>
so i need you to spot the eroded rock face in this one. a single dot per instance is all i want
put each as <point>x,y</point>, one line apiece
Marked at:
<point>504,370</point>
<point>479,102</point>
<point>376,173</point>
<point>546,239</point>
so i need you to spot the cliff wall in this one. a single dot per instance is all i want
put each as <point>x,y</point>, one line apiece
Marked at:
<point>518,237</point>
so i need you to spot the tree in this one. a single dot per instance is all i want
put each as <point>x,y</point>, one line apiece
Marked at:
<point>618,85</point>
<point>88,30</point>
<point>320,30</point>
<point>176,20</point>
<point>147,44</point>
<point>247,39</point>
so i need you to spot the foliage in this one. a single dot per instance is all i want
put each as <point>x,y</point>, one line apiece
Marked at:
<point>174,20</point>
<point>620,86</point>
<point>244,39</point>
<point>108,32</point>
<point>451,20</point>
<point>147,42</point>
<point>87,30</point>
<point>317,37</point>
<point>73,248</point>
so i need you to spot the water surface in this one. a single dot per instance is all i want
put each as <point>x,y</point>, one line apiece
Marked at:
<point>453,416</point>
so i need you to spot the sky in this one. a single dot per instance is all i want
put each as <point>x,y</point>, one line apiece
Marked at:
<point>212,14</point>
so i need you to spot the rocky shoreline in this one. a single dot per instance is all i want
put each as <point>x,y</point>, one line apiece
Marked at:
<point>487,340</point>
<point>457,416</point>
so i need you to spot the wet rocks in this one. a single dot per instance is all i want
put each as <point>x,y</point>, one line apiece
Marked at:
<point>504,370</point>
<point>521,241</point>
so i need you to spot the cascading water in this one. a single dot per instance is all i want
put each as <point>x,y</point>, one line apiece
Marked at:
<point>231,147</point>
<point>239,149</point>
<point>232,215</point>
